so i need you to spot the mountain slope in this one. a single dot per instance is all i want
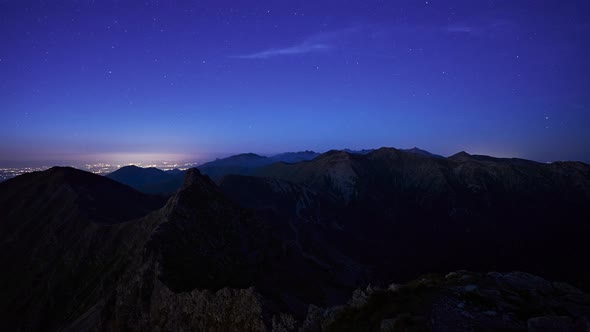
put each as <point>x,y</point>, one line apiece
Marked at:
<point>294,157</point>
<point>466,211</point>
<point>175,267</point>
<point>247,163</point>
<point>149,180</point>
<point>64,268</point>
<point>59,232</point>
<point>416,150</point>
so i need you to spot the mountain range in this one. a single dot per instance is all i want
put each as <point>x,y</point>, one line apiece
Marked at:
<point>155,181</point>
<point>246,163</point>
<point>341,241</point>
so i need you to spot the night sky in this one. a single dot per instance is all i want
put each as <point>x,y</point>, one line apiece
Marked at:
<point>125,80</point>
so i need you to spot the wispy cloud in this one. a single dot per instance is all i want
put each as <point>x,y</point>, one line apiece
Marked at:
<point>302,48</point>
<point>497,25</point>
<point>319,42</point>
<point>459,28</point>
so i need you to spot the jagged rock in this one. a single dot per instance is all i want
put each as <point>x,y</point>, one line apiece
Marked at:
<point>387,325</point>
<point>315,315</point>
<point>551,324</point>
<point>525,281</point>
<point>359,298</point>
<point>283,323</point>
<point>566,288</point>
<point>510,301</point>
<point>404,322</point>
<point>470,288</point>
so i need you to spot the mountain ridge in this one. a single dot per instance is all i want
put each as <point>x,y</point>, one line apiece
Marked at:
<point>274,248</point>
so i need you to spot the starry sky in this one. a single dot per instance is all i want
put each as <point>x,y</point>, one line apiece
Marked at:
<point>191,80</point>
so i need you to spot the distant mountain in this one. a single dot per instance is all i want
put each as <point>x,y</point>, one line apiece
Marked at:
<point>155,181</point>
<point>238,164</point>
<point>363,151</point>
<point>175,171</point>
<point>149,180</point>
<point>294,157</point>
<point>421,152</point>
<point>412,150</point>
<point>246,163</point>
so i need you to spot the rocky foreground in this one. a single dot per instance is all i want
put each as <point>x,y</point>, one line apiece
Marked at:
<point>460,301</point>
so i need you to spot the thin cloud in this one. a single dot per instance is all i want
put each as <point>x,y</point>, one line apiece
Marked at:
<point>497,25</point>
<point>459,28</point>
<point>302,48</point>
<point>319,42</point>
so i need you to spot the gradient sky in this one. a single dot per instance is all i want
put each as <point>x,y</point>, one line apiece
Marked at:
<point>109,79</point>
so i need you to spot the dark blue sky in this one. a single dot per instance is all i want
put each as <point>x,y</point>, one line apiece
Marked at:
<point>118,80</point>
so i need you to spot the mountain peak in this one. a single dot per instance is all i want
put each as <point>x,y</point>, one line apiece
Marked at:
<point>148,180</point>
<point>417,150</point>
<point>62,170</point>
<point>96,198</point>
<point>421,152</point>
<point>363,151</point>
<point>193,177</point>
<point>336,153</point>
<point>248,155</point>
<point>461,156</point>
<point>130,167</point>
<point>68,175</point>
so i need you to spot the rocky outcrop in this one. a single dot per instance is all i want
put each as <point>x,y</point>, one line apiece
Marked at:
<point>460,301</point>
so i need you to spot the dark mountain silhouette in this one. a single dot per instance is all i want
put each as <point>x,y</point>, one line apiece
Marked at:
<point>278,250</point>
<point>59,243</point>
<point>246,163</point>
<point>155,181</point>
<point>416,150</point>
<point>363,151</point>
<point>394,208</point>
<point>67,269</point>
<point>149,180</point>
<point>238,164</point>
<point>294,157</point>
<point>175,171</point>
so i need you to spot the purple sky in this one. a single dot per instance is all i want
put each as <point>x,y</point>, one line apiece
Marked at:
<point>191,80</point>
